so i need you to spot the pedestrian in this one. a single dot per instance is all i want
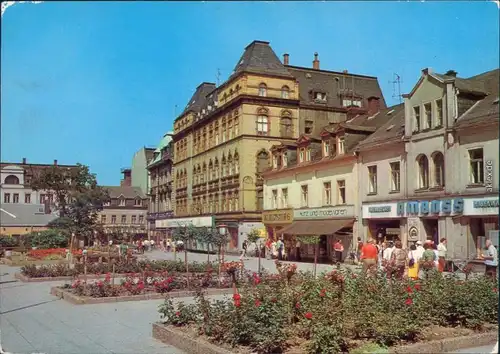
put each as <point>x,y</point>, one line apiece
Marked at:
<point>245,246</point>
<point>490,260</point>
<point>339,249</point>
<point>427,262</point>
<point>387,256</point>
<point>399,258</point>
<point>441,248</point>
<point>169,245</point>
<point>280,246</point>
<point>297,250</point>
<point>419,251</point>
<point>368,256</point>
<point>413,260</point>
<point>359,249</point>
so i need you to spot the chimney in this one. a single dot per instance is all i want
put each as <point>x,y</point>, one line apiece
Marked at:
<point>451,73</point>
<point>127,178</point>
<point>24,160</point>
<point>55,162</point>
<point>316,61</point>
<point>286,58</point>
<point>427,71</point>
<point>345,72</point>
<point>373,105</point>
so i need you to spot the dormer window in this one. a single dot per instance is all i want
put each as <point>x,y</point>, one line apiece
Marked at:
<point>138,202</point>
<point>262,90</point>
<point>275,161</point>
<point>302,155</point>
<point>121,201</point>
<point>285,159</point>
<point>341,145</point>
<point>279,161</point>
<point>308,155</point>
<point>326,148</point>
<point>285,92</point>
<point>320,96</point>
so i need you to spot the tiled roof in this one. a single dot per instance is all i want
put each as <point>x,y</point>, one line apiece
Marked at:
<point>332,83</point>
<point>392,127</point>
<point>260,58</point>
<point>127,192</point>
<point>484,83</point>
<point>487,108</point>
<point>198,100</point>
<point>24,215</point>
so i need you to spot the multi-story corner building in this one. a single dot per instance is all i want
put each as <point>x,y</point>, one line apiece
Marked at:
<point>24,210</point>
<point>445,165</point>
<point>382,178</point>
<point>312,186</point>
<point>160,188</point>
<point>223,137</point>
<point>126,212</point>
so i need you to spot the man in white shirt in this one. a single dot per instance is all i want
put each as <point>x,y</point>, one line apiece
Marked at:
<point>441,248</point>
<point>490,260</point>
<point>386,256</point>
<point>419,251</point>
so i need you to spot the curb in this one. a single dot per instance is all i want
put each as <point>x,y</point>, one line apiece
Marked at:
<point>196,345</point>
<point>84,300</point>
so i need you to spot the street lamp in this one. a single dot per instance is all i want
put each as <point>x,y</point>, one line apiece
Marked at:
<point>222,231</point>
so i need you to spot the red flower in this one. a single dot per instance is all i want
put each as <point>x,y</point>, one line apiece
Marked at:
<point>495,290</point>
<point>177,313</point>
<point>257,303</point>
<point>354,276</point>
<point>418,287</point>
<point>408,302</point>
<point>297,305</point>
<point>99,283</point>
<point>274,300</point>
<point>322,293</point>
<point>236,297</point>
<point>237,303</point>
<point>409,290</point>
<point>308,315</point>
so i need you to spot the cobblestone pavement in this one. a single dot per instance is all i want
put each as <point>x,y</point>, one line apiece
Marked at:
<point>33,321</point>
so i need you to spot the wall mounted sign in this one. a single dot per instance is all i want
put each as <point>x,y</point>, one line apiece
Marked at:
<point>380,209</point>
<point>202,221</point>
<point>323,213</point>
<point>481,204</point>
<point>413,234</point>
<point>433,207</point>
<point>283,216</point>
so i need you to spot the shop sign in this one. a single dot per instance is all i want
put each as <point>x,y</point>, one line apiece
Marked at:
<point>203,221</point>
<point>380,209</point>
<point>433,207</point>
<point>283,216</point>
<point>323,213</point>
<point>481,204</point>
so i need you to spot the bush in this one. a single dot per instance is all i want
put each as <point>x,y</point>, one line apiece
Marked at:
<point>8,241</point>
<point>48,239</point>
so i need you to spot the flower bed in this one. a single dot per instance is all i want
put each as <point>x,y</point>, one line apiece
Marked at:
<point>140,287</point>
<point>335,313</point>
<point>121,268</point>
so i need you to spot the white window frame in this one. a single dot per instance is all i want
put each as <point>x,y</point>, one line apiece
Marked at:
<point>428,115</point>
<point>341,185</point>
<point>284,197</point>
<point>341,143</point>
<point>372,182</point>
<point>274,199</point>
<point>304,197</point>
<point>327,193</point>
<point>417,123</point>
<point>395,176</point>
<point>479,164</point>
<point>438,114</point>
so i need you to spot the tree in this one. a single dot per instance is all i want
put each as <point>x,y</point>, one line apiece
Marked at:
<point>51,238</point>
<point>312,240</point>
<point>186,234</point>
<point>77,198</point>
<point>208,235</point>
<point>252,237</point>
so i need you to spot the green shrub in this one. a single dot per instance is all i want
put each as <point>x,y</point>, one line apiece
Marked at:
<point>48,239</point>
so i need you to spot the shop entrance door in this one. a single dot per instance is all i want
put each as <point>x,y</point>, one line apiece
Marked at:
<point>431,229</point>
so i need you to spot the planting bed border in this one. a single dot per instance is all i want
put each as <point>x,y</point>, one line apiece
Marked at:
<point>85,300</point>
<point>21,263</point>
<point>198,345</point>
<point>26,279</point>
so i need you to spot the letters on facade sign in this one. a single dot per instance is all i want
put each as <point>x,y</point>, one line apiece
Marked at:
<point>277,217</point>
<point>380,209</point>
<point>434,207</point>
<point>320,213</point>
<point>486,203</point>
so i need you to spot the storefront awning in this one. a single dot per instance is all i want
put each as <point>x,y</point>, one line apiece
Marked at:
<point>316,227</point>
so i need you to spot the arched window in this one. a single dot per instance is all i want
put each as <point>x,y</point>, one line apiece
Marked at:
<point>262,161</point>
<point>216,168</point>
<point>223,163</point>
<point>423,172</point>
<point>195,175</point>
<point>285,92</point>
<point>438,167</point>
<point>11,179</point>
<point>229,165</point>
<point>236,201</point>
<point>262,90</point>
<point>203,173</point>
<point>286,127</point>
<point>210,170</point>
<point>262,122</point>
<point>236,162</point>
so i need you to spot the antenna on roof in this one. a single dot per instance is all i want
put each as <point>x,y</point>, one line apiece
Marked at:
<point>217,76</point>
<point>396,88</point>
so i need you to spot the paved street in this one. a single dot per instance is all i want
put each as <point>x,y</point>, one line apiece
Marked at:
<point>32,321</point>
<point>478,350</point>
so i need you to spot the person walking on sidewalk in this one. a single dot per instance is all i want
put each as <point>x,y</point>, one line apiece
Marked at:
<point>490,260</point>
<point>441,248</point>
<point>369,255</point>
<point>338,247</point>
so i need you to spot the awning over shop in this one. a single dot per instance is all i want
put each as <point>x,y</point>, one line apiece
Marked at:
<point>316,227</point>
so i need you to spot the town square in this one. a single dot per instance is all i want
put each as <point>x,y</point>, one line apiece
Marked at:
<point>249,177</point>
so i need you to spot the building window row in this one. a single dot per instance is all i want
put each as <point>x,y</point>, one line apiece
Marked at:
<point>395,178</point>
<point>224,129</point>
<point>428,116</point>
<point>263,123</point>
<point>15,198</point>
<point>333,147</point>
<point>124,219</point>
<point>181,179</point>
<point>224,202</point>
<point>284,91</point>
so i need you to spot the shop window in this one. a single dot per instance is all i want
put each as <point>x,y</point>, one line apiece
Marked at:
<point>438,164</point>
<point>341,191</point>
<point>372,179</point>
<point>395,176</point>
<point>327,193</point>
<point>476,166</point>
<point>304,196</point>
<point>423,172</point>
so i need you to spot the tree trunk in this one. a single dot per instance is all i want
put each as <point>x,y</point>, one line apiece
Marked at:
<point>220,264</point>
<point>208,253</point>
<point>315,258</point>
<point>258,251</point>
<point>187,266</point>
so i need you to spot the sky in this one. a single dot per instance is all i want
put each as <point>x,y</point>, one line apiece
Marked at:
<point>94,82</point>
